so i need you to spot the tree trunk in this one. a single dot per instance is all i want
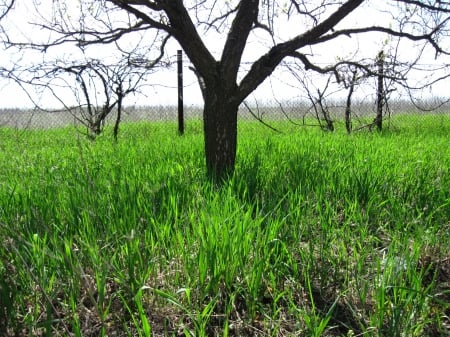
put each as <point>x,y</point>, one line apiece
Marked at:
<point>220,129</point>
<point>348,106</point>
<point>380,92</point>
<point>119,114</point>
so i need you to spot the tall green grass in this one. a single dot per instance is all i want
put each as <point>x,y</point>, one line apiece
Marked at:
<point>316,234</point>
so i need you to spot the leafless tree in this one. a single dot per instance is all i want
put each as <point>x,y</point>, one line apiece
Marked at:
<point>226,82</point>
<point>318,95</point>
<point>97,87</point>
<point>383,74</point>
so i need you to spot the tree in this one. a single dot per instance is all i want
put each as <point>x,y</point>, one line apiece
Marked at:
<point>225,82</point>
<point>97,87</point>
<point>316,96</point>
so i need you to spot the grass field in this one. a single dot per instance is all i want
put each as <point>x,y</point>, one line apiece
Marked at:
<point>316,234</point>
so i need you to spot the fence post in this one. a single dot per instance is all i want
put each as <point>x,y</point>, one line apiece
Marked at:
<point>380,91</point>
<point>180,93</point>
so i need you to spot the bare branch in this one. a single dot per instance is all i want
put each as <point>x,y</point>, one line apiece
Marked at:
<point>423,37</point>
<point>267,63</point>
<point>237,38</point>
<point>441,6</point>
<point>5,8</point>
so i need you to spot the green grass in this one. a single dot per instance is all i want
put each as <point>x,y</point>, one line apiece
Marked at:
<point>316,234</point>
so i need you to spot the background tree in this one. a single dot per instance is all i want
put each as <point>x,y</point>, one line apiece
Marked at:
<point>318,96</point>
<point>283,29</point>
<point>97,87</point>
<point>331,89</point>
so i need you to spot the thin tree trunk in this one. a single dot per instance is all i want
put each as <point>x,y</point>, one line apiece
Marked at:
<point>380,92</point>
<point>348,106</point>
<point>119,115</point>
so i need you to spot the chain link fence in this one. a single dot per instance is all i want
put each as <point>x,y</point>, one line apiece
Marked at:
<point>332,116</point>
<point>314,105</point>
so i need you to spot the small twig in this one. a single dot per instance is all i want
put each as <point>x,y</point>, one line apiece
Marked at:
<point>259,119</point>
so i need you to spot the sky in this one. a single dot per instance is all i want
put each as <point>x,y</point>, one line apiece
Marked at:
<point>161,87</point>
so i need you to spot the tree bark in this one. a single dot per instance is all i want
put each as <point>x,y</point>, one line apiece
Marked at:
<point>220,130</point>
<point>348,106</point>
<point>380,92</point>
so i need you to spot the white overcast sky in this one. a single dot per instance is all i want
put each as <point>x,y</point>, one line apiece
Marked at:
<point>162,85</point>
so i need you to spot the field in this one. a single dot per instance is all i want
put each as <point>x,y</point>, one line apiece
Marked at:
<point>316,234</point>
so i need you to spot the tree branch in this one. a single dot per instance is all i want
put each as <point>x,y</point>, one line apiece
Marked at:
<point>424,37</point>
<point>7,9</point>
<point>236,41</point>
<point>335,68</point>
<point>127,5</point>
<point>183,29</point>
<point>441,6</point>
<point>267,63</point>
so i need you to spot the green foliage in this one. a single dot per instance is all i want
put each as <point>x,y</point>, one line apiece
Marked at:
<point>315,234</point>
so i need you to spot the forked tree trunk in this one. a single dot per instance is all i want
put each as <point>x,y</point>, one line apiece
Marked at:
<point>348,106</point>
<point>220,129</point>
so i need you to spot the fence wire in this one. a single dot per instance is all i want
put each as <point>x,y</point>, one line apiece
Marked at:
<point>302,114</point>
